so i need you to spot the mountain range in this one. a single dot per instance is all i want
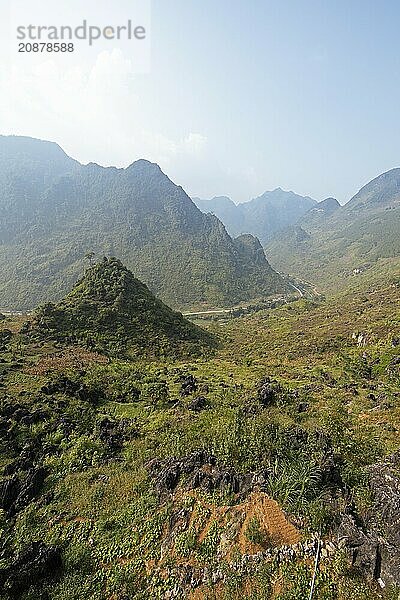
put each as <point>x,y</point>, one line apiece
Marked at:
<point>347,240</point>
<point>323,243</point>
<point>263,216</point>
<point>54,211</point>
<point>143,456</point>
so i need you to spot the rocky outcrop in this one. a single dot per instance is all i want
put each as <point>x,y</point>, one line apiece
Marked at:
<point>374,541</point>
<point>16,493</point>
<point>9,491</point>
<point>200,470</point>
<point>189,385</point>
<point>114,433</point>
<point>5,338</point>
<point>268,392</point>
<point>198,404</point>
<point>30,567</point>
<point>65,385</point>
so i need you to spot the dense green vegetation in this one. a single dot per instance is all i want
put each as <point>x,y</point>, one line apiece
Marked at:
<point>54,211</point>
<point>111,311</point>
<point>154,477</point>
<point>143,456</point>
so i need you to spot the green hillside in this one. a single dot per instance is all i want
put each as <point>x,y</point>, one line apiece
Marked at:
<point>206,478</point>
<point>356,237</point>
<point>111,311</point>
<point>53,211</point>
<point>238,456</point>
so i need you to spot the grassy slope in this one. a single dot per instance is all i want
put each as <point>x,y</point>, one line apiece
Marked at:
<point>364,234</point>
<point>105,511</point>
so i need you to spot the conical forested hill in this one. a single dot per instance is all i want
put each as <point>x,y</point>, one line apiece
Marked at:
<point>111,311</point>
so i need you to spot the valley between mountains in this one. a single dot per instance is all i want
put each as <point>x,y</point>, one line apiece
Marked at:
<point>198,400</point>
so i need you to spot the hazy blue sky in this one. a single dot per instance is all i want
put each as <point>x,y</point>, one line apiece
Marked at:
<point>241,96</point>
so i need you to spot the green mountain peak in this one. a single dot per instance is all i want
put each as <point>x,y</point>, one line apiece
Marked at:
<point>111,311</point>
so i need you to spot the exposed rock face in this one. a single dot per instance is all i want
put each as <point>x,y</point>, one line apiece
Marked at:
<point>9,490</point>
<point>199,470</point>
<point>16,493</point>
<point>268,392</point>
<point>198,404</point>
<point>300,235</point>
<point>114,433</point>
<point>65,385</point>
<point>189,385</point>
<point>375,542</point>
<point>32,565</point>
<point>5,337</point>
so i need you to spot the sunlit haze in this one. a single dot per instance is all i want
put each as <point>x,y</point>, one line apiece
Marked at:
<point>236,97</point>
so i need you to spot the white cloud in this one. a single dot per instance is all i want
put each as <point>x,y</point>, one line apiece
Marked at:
<point>194,143</point>
<point>94,113</point>
<point>97,113</point>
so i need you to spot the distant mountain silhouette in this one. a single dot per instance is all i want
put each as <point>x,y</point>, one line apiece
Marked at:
<point>344,241</point>
<point>263,216</point>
